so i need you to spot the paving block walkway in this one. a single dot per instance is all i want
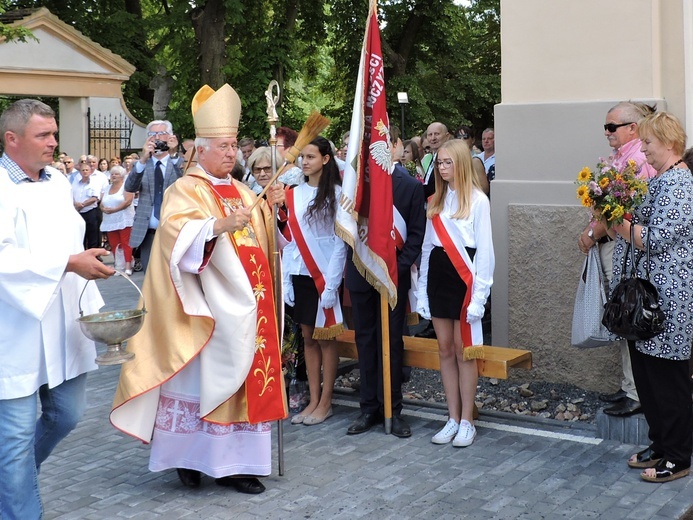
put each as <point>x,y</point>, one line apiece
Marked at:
<point>510,472</point>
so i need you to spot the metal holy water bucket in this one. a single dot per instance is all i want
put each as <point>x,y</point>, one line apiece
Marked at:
<point>112,328</point>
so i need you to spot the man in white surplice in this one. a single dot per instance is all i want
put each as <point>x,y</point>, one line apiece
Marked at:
<point>43,267</point>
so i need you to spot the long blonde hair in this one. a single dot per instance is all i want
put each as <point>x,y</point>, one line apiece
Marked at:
<point>465,180</point>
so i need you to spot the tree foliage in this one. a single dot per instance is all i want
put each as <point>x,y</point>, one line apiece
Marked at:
<point>10,33</point>
<point>446,56</point>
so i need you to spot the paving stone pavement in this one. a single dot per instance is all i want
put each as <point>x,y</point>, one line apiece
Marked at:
<point>510,472</point>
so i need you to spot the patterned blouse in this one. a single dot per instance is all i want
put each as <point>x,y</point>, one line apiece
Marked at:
<point>667,218</point>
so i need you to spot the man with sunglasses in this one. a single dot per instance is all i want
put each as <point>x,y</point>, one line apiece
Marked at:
<point>159,166</point>
<point>621,131</point>
<point>70,169</point>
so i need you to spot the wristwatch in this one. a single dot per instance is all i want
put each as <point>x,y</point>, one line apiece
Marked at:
<point>590,234</point>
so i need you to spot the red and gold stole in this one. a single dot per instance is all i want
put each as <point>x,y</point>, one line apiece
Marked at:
<point>463,265</point>
<point>328,322</point>
<point>263,386</point>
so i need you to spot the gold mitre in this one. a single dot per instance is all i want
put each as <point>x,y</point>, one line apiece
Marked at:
<point>216,113</point>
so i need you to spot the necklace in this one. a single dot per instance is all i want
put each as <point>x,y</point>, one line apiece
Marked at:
<point>672,166</point>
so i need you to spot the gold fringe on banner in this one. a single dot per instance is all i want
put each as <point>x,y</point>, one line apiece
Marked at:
<point>473,352</point>
<point>330,332</point>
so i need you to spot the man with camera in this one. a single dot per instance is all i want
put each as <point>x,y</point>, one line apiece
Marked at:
<point>159,167</point>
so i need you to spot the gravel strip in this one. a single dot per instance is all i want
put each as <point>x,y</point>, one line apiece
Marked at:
<point>557,401</point>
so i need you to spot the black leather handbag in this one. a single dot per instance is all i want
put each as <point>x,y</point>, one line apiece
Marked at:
<point>633,311</point>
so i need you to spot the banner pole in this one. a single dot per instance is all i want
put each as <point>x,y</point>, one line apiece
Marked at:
<point>387,377</point>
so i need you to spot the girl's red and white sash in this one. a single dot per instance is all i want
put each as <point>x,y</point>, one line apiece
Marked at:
<point>328,322</point>
<point>472,334</point>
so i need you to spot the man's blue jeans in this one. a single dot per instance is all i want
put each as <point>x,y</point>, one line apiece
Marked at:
<point>26,442</point>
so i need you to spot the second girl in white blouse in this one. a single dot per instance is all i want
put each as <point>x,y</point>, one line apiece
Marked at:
<point>456,275</point>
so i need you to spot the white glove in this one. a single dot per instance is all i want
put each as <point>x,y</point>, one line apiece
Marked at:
<point>289,294</point>
<point>328,298</point>
<point>475,312</point>
<point>423,309</point>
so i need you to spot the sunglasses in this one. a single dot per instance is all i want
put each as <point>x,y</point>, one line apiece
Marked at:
<point>612,127</point>
<point>262,169</point>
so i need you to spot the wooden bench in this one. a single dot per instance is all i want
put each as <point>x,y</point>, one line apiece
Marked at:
<point>423,353</point>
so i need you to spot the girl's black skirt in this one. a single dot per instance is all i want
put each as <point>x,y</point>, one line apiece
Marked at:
<point>305,300</point>
<point>445,289</point>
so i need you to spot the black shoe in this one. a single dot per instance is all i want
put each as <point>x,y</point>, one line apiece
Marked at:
<point>646,458</point>
<point>189,477</point>
<point>400,428</point>
<point>428,332</point>
<point>247,485</point>
<point>364,422</point>
<point>623,408</point>
<point>613,398</point>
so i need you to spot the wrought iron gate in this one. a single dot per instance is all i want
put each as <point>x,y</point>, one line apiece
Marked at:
<point>109,135</point>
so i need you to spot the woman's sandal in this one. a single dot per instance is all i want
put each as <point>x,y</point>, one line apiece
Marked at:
<point>666,471</point>
<point>644,459</point>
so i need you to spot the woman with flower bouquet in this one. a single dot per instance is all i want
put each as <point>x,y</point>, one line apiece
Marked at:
<point>621,131</point>
<point>663,223</point>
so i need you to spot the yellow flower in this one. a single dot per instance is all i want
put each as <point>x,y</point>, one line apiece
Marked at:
<point>587,201</point>
<point>585,174</point>
<point>603,182</point>
<point>581,191</point>
<point>617,212</point>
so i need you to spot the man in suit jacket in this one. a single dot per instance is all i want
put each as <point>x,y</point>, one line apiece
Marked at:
<point>159,167</point>
<point>408,196</point>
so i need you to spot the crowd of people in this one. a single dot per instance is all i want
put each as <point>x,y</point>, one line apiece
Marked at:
<point>206,358</point>
<point>205,384</point>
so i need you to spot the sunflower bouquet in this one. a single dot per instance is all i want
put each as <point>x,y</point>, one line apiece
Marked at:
<point>612,193</point>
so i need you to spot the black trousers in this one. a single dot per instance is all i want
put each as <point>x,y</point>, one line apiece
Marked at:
<point>92,235</point>
<point>366,313</point>
<point>146,248</point>
<point>664,389</point>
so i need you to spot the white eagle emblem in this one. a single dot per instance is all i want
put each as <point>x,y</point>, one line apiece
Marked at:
<point>380,150</point>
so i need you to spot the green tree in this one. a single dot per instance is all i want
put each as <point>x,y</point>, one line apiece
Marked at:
<point>446,56</point>
<point>10,33</point>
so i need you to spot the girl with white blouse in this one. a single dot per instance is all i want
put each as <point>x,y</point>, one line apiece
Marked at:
<point>455,281</point>
<point>313,266</point>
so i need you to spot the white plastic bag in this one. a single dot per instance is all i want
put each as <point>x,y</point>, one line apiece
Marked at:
<point>119,258</point>
<point>587,330</point>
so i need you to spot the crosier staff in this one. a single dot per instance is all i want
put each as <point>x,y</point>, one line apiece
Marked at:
<point>315,124</point>
<point>272,118</point>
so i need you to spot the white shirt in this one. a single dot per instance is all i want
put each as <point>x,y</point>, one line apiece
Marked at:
<point>475,231</point>
<point>487,162</point>
<point>82,191</point>
<point>330,244</point>
<point>40,339</point>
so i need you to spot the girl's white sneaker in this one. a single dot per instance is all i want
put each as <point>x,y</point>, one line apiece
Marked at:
<point>447,433</point>
<point>465,435</point>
